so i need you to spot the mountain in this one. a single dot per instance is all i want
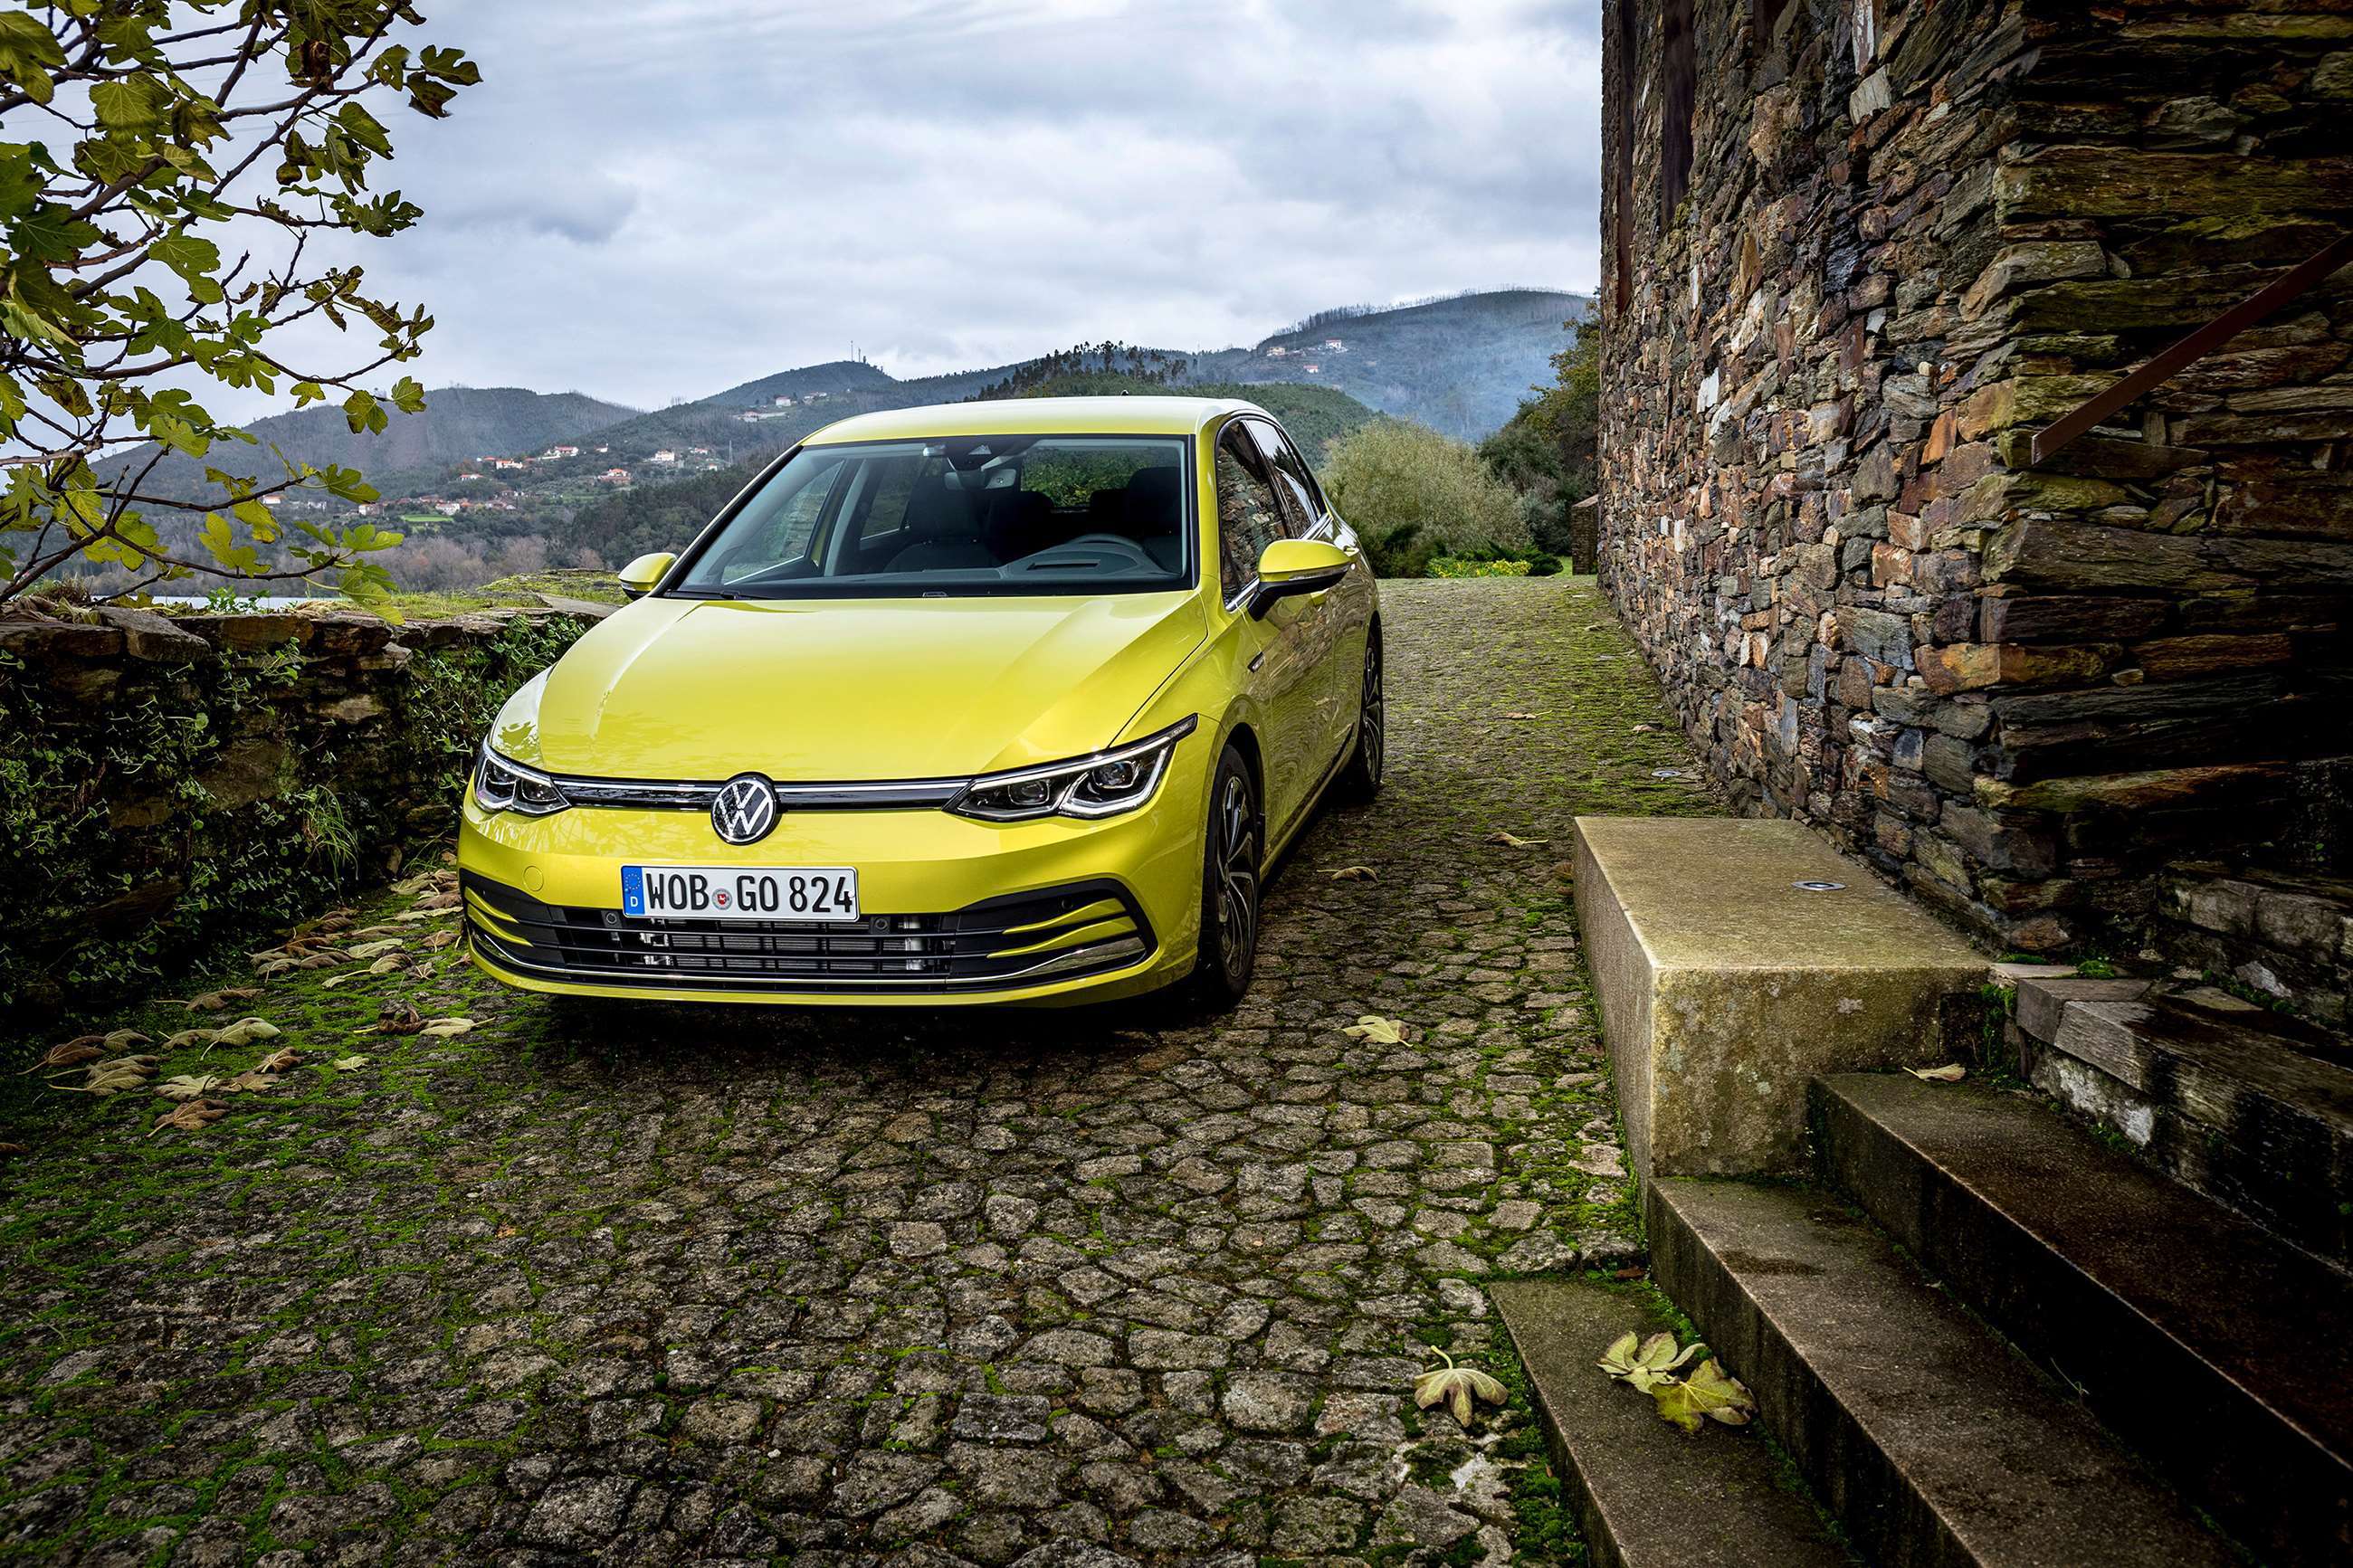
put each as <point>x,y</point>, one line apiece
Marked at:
<point>458,425</point>
<point>1460,365</point>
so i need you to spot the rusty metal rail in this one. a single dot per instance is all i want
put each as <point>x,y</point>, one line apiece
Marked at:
<point>2300,278</point>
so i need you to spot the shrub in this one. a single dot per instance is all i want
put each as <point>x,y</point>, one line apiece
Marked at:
<point>1412,494</point>
<point>1456,566</point>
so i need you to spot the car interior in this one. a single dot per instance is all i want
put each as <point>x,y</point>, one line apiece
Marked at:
<point>1034,511</point>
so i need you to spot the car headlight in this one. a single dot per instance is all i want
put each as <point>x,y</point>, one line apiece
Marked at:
<point>1105,784</point>
<point>503,786</point>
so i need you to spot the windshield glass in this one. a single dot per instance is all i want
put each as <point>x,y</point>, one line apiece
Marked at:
<point>993,514</point>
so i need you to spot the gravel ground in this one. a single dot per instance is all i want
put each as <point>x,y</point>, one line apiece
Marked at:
<point>659,1285</point>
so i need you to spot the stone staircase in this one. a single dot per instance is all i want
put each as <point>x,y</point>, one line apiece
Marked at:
<point>1981,1336</point>
<point>2107,1325</point>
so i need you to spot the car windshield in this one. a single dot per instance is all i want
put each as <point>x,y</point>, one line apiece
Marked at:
<point>996,514</point>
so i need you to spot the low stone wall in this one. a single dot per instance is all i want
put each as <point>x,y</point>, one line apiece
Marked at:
<point>169,785</point>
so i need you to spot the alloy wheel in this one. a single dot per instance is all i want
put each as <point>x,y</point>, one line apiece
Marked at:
<point>1373,723</point>
<point>1236,869</point>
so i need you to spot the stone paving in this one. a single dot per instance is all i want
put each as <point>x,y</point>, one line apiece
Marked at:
<point>657,1285</point>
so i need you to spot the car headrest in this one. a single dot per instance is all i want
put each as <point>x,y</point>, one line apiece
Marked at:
<point>1152,503</point>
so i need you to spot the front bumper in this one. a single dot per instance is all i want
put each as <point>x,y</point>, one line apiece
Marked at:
<point>951,910</point>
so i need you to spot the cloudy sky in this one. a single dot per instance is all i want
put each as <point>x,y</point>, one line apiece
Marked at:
<point>655,199</point>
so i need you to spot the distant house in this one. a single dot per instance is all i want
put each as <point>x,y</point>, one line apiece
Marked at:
<point>509,463</point>
<point>698,451</point>
<point>448,508</point>
<point>470,475</point>
<point>615,477</point>
<point>665,456</point>
<point>1336,345</point>
<point>554,452</point>
<point>782,400</point>
<point>1277,352</point>
<point>1315,370</point>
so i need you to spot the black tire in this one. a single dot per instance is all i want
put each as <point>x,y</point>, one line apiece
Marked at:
<point>1361,778</point>
<point>1233,852</point>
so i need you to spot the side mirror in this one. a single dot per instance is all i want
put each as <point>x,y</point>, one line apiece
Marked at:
<point>1293,566</point>
<point>639,577</point>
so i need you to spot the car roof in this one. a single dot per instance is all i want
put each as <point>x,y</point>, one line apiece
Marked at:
<point>1037,416</point>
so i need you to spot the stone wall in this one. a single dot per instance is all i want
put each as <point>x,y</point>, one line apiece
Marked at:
<point>1914,234</point>
<point>169,786</point>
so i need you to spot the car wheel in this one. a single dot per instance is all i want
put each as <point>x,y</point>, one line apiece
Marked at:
<point>1361,779</point>
<point>1230,886</point>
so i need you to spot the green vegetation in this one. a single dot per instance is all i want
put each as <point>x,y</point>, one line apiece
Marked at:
<point>321,822</point>
<point>1412,495</point>
<point>95,363</point>
<point>1546,451</point>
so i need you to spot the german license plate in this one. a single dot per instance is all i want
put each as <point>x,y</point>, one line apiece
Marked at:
<point>727,893</point>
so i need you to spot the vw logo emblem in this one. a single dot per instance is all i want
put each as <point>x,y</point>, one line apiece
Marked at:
<point>745,810</point>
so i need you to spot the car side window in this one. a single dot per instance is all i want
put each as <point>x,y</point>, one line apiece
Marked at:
<point>1248,516</point>
<point>1298,491</point>
<point>785,534</point>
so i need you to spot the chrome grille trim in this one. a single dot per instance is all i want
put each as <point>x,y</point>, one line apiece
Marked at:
<point>650,795</point>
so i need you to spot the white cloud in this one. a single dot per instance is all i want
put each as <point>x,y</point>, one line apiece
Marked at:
<point>660,199</point>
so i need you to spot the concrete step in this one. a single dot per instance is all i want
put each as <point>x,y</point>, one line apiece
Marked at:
<point>2215,1349</point>
<point>1931,1440</point>
<point>1646,1495</point>
<point>2243,1104</point>
<point>1734,958</point>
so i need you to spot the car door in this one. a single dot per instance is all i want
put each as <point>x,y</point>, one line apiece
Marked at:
<point>1330,623</point>
<point>1277,671</point>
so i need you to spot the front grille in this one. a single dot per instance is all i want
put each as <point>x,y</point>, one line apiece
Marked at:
<point>645,795</point>
<point>1065,933</point>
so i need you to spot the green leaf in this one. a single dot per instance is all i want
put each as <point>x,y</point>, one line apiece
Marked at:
<point>408,395</point>
<point>1711,1394</point>
<point>1652,1362</point>
<point>122,104</point>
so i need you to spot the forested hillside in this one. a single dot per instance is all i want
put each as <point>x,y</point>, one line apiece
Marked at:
<point>1459,365</point>
<point>459,425</point>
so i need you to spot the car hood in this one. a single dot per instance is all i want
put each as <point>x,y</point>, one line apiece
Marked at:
<point>816,690</point>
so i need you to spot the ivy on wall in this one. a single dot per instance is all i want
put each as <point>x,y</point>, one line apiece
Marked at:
<point>159,813</point>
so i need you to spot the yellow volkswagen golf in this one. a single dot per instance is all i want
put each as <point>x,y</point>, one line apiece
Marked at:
<point>1007,701</point>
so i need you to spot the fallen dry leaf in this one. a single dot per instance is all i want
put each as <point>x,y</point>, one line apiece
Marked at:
<point>1519,715</point>
<point>1951,1073</point>
<point>438,939</point>
<point>186,1038</point>
<point>107,1077</point>
<point>123,1039</point>
<point>329,984</point>
<point>1457,1385</point>
<point>1355,874</point>
<point>194,1116</point>
<point>1377,1030</point>
<point>245,1031</point>
<point>444,1026</point>
<point>385,964</point>
<point>252,1081</point>
<point>186,1085</point>
<point>11,1151</point>
<point>350,1064</point>
<point>376,949</point>
<point>1514,840</point>
<point>71,1054</point>
<point>398,1018</point>
<point>213,1001</point>
<point>280,1060</point>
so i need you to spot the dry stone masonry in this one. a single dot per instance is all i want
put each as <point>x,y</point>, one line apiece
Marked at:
<point>170,783</point>
<point>1908,236</point>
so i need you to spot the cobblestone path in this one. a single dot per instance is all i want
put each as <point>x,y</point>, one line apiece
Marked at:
<point>656,1286</point>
